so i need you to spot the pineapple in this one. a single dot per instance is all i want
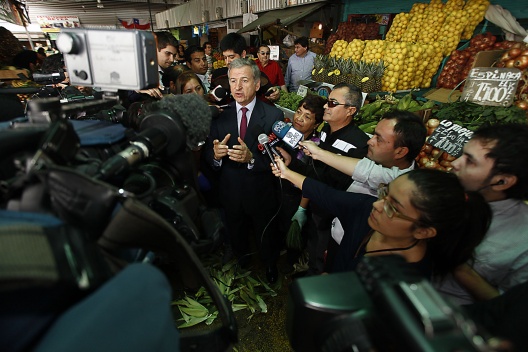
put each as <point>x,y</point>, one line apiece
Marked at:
<point>342,68</point>
<point>367,83</point>
<point>355,73</point>
<point>378,74</point>
<point>330,67</point>
<point>318,64</point>
<point>322,71</point>
<point>361,73</point>
<point>351,76</point>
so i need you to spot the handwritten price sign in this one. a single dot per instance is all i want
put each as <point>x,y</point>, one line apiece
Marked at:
<point>450,138</point>
<point>491,86</point>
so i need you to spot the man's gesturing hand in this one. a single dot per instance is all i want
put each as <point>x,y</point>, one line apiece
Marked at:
<point>220,148</point>
<point>240,153</point>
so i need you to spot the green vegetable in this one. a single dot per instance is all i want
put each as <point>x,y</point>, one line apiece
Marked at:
<point>289,100</point>
<point>472,116</point>
<point>374,110</point>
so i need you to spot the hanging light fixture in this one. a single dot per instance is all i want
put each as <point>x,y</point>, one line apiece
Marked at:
<point>100,4</point>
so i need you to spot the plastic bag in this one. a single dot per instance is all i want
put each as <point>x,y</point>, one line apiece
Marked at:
<point>288,40</point>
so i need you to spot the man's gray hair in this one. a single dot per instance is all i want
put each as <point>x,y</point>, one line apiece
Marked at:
<point>242,62</point>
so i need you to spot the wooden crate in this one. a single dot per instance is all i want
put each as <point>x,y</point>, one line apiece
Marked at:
<point>12,74</point>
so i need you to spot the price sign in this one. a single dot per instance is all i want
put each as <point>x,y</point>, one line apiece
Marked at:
<point>492,86</point>
<point>302,90</point>
<point>450,138</point>
<point>274,52</point>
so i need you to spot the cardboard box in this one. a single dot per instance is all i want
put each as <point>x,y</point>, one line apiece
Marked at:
<point>443,95</point>
<point>487,58</point>
<point>12,74</point>
<point>482,59</point>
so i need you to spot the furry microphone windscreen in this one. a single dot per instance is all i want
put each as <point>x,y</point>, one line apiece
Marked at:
<point>193,111</point>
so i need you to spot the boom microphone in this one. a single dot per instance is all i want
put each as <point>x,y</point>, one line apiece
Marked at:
<point>287,133</point>
<point>263,139</point>
<point>191,109</point>
<point>166,126</point>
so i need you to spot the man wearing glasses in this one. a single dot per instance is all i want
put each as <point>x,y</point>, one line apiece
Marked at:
<point>397,140</point>
<point>272,70</point>
<point>339,135</point>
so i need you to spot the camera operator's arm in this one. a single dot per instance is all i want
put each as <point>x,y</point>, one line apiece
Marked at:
<point>153,92</point>
<point>345,164</point>
<point>475,284</point>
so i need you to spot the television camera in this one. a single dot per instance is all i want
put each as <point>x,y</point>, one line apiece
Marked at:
<point>384,305</point>
<point>122,187</point>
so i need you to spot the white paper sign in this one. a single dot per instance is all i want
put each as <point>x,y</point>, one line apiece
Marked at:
<point>274,52</point>
<point>302,90</point>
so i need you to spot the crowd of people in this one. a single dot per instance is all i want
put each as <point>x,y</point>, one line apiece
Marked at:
<point>351,194</point>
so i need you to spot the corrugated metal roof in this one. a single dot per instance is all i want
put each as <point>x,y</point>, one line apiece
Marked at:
<point>286,16</point>
<point>92,16</point>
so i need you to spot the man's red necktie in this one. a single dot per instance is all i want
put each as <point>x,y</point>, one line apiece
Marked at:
<point>243,122</point>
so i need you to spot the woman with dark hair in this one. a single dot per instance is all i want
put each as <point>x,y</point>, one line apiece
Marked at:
<point>306,119</point>
<point>180,55</point>
<point>188,83</point>
<point>423,215</point>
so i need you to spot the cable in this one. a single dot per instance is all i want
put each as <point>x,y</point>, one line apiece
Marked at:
<point>452,91</point>
<point>265,228</point>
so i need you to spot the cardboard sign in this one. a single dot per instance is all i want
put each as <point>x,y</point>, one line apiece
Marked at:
<point>450,138</point>
<point>492,86</point>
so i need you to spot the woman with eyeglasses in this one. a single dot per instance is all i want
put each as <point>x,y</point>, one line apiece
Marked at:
<point>424,215</point>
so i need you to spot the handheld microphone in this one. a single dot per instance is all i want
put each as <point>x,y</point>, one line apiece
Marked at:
<point>287,133</point>
<point>263,139</point>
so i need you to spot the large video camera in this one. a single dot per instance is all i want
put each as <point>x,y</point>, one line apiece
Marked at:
<point>385,305</point>
<point>126,185</point>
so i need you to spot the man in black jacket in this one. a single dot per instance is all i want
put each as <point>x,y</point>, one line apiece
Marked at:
<point>246,183</point>
<point>341,136</point>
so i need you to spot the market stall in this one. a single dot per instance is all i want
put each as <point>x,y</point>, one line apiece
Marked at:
<point>440,61</point>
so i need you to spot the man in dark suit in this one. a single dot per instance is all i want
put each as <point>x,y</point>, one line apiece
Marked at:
<point>247,186</point>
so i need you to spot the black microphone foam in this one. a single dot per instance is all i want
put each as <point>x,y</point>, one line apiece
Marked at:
<point>191,109</point>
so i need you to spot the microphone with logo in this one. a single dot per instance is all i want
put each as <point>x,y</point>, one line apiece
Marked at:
<point>289,135</point>
<point>263,139</point>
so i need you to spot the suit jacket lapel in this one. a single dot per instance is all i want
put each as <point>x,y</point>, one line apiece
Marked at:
<point>255,126</point>
<point>231,124</point>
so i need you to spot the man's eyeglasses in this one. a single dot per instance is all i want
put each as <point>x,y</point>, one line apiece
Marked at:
<point>388,207</point>
<point>333,103</point>
<point>264,53</point>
